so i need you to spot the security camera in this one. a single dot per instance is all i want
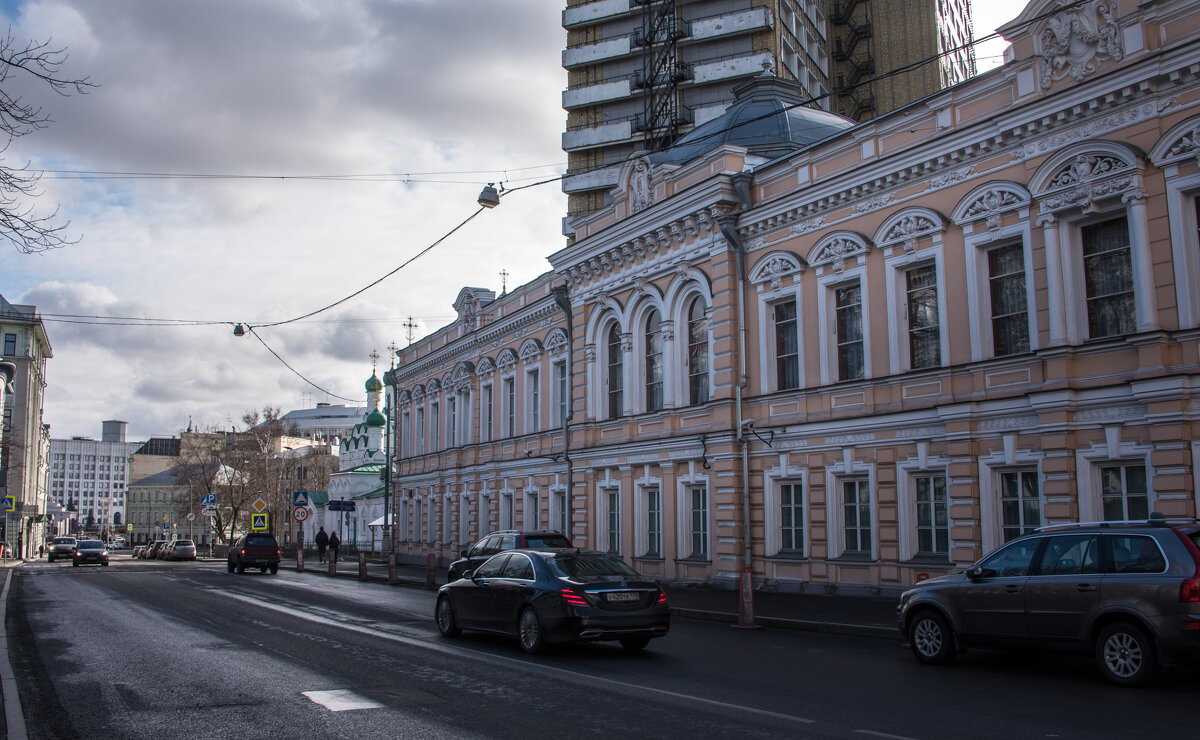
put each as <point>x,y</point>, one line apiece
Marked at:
<point>746,423</point>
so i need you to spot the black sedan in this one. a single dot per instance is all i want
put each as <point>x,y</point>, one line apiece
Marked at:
<point>90,551</point>
<point>543,597</point>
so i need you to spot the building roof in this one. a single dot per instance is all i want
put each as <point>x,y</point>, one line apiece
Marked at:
<point>768,117</point>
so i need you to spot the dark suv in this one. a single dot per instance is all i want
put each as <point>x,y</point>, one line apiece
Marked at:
<point>256,550</point>
<point>1127,592</point>
<point>509,539</point>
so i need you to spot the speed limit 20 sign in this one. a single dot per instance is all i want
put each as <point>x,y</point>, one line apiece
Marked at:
<point>300,513</point>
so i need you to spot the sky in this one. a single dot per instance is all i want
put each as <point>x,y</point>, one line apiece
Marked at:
<point>337,140</point>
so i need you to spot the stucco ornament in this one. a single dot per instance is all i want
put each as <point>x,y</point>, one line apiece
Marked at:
<point>1077,37</point>
<point>1187,145</point>
<point>908,229</point>
<point>992,204</point>
<point>641,195</point>
<point>836,251</point>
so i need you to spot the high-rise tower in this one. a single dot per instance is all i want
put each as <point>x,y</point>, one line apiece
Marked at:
<point>640,73</point>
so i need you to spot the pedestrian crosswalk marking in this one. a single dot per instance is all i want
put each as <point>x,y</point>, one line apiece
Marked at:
<point>341,700</point>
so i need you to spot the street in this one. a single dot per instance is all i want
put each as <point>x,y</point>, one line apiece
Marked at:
<point>156,649</point>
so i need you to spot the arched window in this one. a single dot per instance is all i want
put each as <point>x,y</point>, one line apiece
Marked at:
<point>654,362</point>
<point>615,369</point>
<point>697,331</point>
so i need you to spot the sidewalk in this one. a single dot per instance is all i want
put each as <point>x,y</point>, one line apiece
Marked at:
<point>867,616</point>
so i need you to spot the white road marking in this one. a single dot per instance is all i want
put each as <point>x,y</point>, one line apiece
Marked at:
<point>631,689</point>
<point>341,700</point>
<point>872,733</point>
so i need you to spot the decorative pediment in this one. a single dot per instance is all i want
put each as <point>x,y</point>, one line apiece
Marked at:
<point>834,249</point>
<point>1085,167</point>
<point>989,202</point>
<point>485,367</point>
<point>639,186</point>
<point>418,393</point>
<point>774,267</point>
<point>404,397</point>
<point>506,361</point>
<point>1073,40</point>
<point>470,301</point>
<point>462,372</point>
<point>556,342</point>
<point>531,351</point>
<point>905,227</point>
<point>1181,143</point>
<point>433,388</point>
<point>1081,176</point>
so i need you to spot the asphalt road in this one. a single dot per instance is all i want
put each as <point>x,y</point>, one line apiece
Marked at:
<point>166,650</point>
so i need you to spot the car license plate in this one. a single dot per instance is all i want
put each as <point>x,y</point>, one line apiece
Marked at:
<point>623,596</point>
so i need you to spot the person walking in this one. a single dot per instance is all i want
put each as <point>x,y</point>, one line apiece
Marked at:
<point>322,541</point>
<point>334,542</point>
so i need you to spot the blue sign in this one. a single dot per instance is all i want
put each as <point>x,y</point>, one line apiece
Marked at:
<point>208,499</point>
<point>341,505</point>
<point>299,498</point>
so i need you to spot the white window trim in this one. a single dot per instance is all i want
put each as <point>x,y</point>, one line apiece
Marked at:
<point>683,514</point>
<point>560,508</point>
<point>464,518</point>
<point>508,406</point>
<point>447,502</point>
<point>483,519</point>
<point>487,430</point>
<point>508,519</point>
<point>979,292</point>
<point>784,473</point>
<point>1070,236</point>
<point>827,317</point>
<point>768,352</point>
<point>906,494</point>
<point>603,488</point>
<point>531,509</point>
<point>990,467</point>
<point>1113,452</point>
<point>899,265</point>
<point>1185,251</point>
<point>556,395</point>
<point>641,520</point>
<point>532,421</point>
<point>848,467</point>
<point>677,394</point>
<point>435,425</point>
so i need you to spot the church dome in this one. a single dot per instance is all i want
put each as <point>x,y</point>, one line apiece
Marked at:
<point>376,419</point>
<point>768,117</point>
<point>374,384</point>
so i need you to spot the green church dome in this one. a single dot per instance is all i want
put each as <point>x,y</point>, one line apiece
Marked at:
<point>374,384</point>
<point>376,419</point>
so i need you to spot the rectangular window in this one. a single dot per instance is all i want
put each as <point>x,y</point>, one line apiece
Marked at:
<point>653,522</point>
<point>933,515</point>
<point>10,344</point>
<point>698,503</point>
<point>787,346</point>
<point>564,393</point>
<point>924,334</point>
<point>420,435</point>
<point>614,520</point>
<point>452,421</point>
<point>791,517</point>
<point>489,413</point>
<point>1006,283</point>
<point>533,385</point>
<point>435,426</point>
<point>464,412</point>
<point>1020,503</point>
<point>564,512</point>
<point>1123,493</point>
<point>1108,278</point>
<point>510,407</point>
<point>848,299</point>
<point>856,512</point>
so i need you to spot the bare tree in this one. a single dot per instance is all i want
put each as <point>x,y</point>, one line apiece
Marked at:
<point>19,223</point>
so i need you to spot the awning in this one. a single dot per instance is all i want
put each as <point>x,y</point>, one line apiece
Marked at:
<point>378,522</point>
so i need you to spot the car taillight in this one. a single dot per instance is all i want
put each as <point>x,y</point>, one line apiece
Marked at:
<point>662,597</point>
<point>277,551</point>
<point>1189,591</point>
<point>573,598</point>
<point>243,551</point>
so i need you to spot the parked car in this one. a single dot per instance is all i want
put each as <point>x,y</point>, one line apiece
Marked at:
<point>154,549</point>
<point>496,542</point>
<point>116,545</point>
<point>137,551</point>
<point>181,550</point>
<point>543,597</point>
<point>255,550</point>
<point>61,547</point>
<point>1127,592</point>
<point>90,551</point>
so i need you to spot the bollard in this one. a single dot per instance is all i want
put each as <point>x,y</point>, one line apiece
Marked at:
<point>332,565</point>
<point>300,560</point>
<point>430,575</point>
<point>362,565</point>
<point>393,571</point>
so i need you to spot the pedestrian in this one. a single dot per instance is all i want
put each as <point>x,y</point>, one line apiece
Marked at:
<point>322,541</point>
<point>41,549</point>
<point>334,542</point>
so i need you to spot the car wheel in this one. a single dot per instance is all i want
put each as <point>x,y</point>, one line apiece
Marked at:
<point>75,564</point>
<point>634,644</point>
<point>529,632</point>
<point>274,569</point>
<point>931,638</point>
<point>444,613</point>
<point>1126,654</point>
<point>263,569</point>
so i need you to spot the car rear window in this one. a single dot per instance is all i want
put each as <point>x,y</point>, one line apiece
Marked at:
<point>1136,554</point>
<point>585,565</point>
<point>64,541</point>
<point>260,540</point>
<point>547,540</point>
<point>183,543</point>
<point>91,545</point>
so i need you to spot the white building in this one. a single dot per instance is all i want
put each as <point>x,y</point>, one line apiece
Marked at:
<point>90,478</point>
<point>326,423</point>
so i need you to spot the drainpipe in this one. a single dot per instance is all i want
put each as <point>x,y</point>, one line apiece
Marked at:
<point>728,223</point>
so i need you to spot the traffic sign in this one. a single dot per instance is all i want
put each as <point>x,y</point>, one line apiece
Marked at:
<point>128,527</point>
<point>300,513</point>
<point>208,511</point>
<point>342,505</point>
<point>299,498</point>
<point>10,503</point>
<point>258,521</point>
<point>208,499</point>
<point>258,505</point>
<point>191,516</point>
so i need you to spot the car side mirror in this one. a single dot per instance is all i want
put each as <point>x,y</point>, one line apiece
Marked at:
<point>469,575</point>
<point>980,572</point>
<point>462,553</point>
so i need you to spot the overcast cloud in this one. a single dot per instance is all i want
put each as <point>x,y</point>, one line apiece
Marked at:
<point>469,89</point>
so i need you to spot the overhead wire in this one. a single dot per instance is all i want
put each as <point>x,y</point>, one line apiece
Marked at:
<point>297,372</point>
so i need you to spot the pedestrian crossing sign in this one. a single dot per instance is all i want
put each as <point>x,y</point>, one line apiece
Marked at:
<point>258,522</point>
<point>10,503</point>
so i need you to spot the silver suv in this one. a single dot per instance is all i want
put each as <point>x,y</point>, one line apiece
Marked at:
<point>1128,592</point>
